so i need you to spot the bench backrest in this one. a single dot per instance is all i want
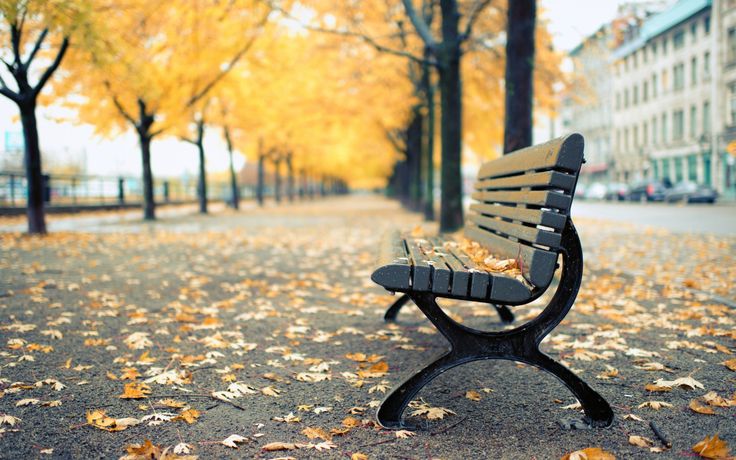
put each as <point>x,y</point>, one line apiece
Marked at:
<point>523,203</point>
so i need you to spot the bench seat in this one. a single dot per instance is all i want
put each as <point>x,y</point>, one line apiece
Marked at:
<point>433,265</point>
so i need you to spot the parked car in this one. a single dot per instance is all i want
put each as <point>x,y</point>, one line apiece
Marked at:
<point>648,190</point>
<point>691,192</point>
<point>616,191</point>
<point>595,191</point>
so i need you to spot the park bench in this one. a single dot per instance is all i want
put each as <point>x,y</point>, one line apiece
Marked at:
<point>522,212</point>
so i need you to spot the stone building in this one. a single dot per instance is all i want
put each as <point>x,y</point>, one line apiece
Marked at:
<point>674,90</point>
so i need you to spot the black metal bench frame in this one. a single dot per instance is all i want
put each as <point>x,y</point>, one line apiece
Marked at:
<point>520,344</point>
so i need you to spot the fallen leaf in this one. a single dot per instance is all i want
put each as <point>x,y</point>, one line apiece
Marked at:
<point>135,390</point>
<point>190,416</point>
<point>656,405</point>
<point>403,434</point>
<point>590,453</point>
<point>233,440</point>
<point>731,364</point>
<point>472,395</point>
<point>276,446</point>
<point>712,447</point>
<point>640,441</point>
<point>312,433</point>
<point>696,406</point>
<point>358,456</point>
<point>145,451</point>
<point>687,383</point>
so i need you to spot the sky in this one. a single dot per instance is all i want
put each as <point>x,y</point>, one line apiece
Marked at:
<point>569,21</point>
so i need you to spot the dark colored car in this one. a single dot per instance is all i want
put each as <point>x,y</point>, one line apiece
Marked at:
<point>691,192</point>
<point>616,191</point>
<point>648,190</point>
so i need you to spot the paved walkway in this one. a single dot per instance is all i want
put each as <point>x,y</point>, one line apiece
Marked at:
<point>274,310</point>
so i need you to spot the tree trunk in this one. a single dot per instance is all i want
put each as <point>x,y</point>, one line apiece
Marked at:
<point>259,183</point>
<point>414,158</point>
<point>428,145</point>
<point>451,209</point>
<point>277,180</point>
<point>34,176</point>
<point>234,190</point>
<point>149,206</point>
<point>202,182</point>
<point>519,72</point>
<point>289,177</point>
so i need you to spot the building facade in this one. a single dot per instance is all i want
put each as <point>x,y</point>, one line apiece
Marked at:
<point>670,82</point>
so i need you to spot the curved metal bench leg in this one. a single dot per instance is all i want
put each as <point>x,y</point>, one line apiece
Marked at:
<point>597,410</point>
<point>393,310</point>
<point>507,317</point>
<point>393,405</point>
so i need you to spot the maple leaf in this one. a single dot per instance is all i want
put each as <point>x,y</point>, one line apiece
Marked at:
<point>472,395</point>
<point>135,390</point>
<point>731,364</point>
<point>144,451</point>
<point>172,403</point>
<point>590,453</point>
<point>350,422</point>
<point>290,418</point>
<point>324,445</point>
<point>138,341</point>
<point>233,440</point>
<point>656,405</point>
<point>403,434</point>
<point>358,456</point>
<point>712,447</point>
<point>713,399</point>
<point>98,418</point>
<point>6,419</point>
<point>687,383</point>
<point>276,446</point>
<point>317,432</point>
<point>696,406</point>
<point>182,448</point>
<point>312,377</point>
<point>271,391</point>
<point>633,417</point>
<point>190,416</point>
<point>320,410</point>
<point>640,441</point>
<point>27,402</point>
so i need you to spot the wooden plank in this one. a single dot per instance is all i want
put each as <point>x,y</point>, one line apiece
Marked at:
<point>394,272</point>
<point>564,153</point>
<point>460,282</point>
<point>480,280</point>
<point>441,272</point>
<point>530,216</point>
<point>542,198</point>
<point>421,271</point>
<point>549,179</point>
<point>537,265</point>
<point>522,232</point>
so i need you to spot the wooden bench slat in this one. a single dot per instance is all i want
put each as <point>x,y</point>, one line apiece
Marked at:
<point>441,272</point>
<point>460,281</point>
<point>537,265</point>
<point>541,198</point>
<point>548,179</point>
<point>565,153</point>
<point>530,216</point>
<point>480,280</point>
<point>395,268</point>
<point>522,232</point>
<point>421,271</point>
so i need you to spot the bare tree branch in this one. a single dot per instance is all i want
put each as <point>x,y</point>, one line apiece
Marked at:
<point>7,92</point>
<point>208,87</point>
<point>473,17</point>
<point>15,42</point>
<point>119,106</point>
<point>37,46</point>
<point>349,33</point>
<point>421,27</point>
<point>52,68</point>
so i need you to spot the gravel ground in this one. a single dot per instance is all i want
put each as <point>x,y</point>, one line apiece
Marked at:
<point>279,301</point>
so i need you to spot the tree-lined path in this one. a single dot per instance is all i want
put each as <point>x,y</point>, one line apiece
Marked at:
<point>123,335</point>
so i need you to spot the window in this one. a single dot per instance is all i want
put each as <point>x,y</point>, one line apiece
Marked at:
<point>654,130</point>
<point>654,86</point>
<point>645,91</point>
<point>654,50</point>
<point>664,128</point>
<point>731,104</point>
<point>626,98</point>
<point>694,31</point>
<point>706,25</point>
<point>626,139</point>
<point>731,46</point>
<point>692,168</point>
<point>618,140</point>
<point>636,136</point>
<point>635,96</point>
<point>693,121</point>
<point>678,72</point>
<point>693,71</point>
<point>706,65</point>
<point>678,39</point>
<point>678,125</point>
<point>645,134</point>
<point>618,101</point>
<point>706,117</point>
<point>664,46</point>
<point>678,169</point>
<point>665,82</point>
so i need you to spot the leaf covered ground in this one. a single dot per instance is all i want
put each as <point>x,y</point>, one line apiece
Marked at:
<point>259,335</point>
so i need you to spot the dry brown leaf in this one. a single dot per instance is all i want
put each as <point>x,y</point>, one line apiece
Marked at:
<point>358,456</point>
<point>731,364</point>
<point>190,416</point>
<point>640,441</point>
<point>135,390</point>
<point>654,388</point>
<point>145,451</point>
<point>350,422</point>
<point>403,434</point>
<point>696,406</point>
<point>656,405</point>
<point>276,446</point>
<point>712,447</point>
<point>317,432</point>
<point>233,440</point>
<point>472,395</point>
<point>713,399</point>
<point>591,453</point>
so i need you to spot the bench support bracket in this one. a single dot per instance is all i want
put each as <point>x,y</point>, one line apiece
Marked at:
<point>520,344</point>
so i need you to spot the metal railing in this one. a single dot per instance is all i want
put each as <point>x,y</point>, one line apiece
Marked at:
<point>71,190</point>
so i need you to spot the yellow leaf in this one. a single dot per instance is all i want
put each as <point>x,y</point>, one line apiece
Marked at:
<point>358,456</point>
<point>590,453</point>
<point>472,395</point>
<point>731,364</point>
<point>173,403</point>
<point>318,432</point>
<point>190,416</point>
<point>350,422</point>
<point>712,447</point>
<point>696,406</point>
<point>275,446</point>
<point>143,451</point>
<point>656,405</point>
<point>135,390</point>
<point>640,441</point>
